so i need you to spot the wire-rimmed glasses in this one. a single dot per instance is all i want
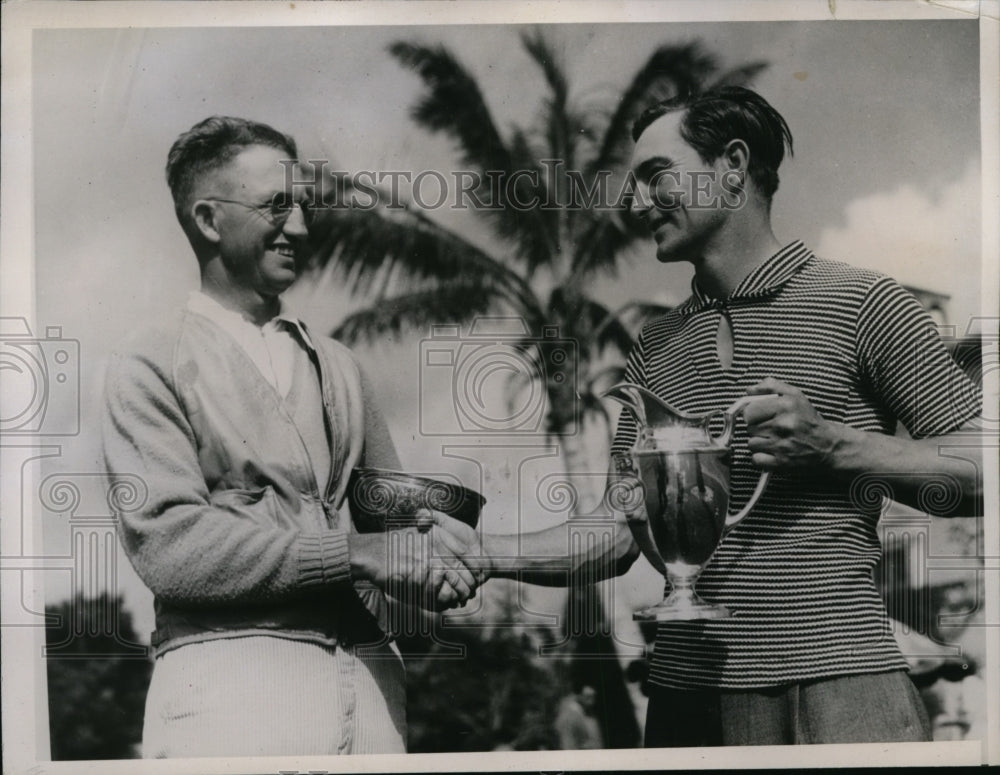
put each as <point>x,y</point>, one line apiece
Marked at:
<point>277,211</point>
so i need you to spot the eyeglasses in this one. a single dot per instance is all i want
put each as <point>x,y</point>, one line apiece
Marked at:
<point>277,211</point>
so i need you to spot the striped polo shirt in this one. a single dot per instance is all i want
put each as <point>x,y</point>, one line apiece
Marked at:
<point>797,571</point>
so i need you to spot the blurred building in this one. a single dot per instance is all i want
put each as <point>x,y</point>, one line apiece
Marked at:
<point>931,577</point>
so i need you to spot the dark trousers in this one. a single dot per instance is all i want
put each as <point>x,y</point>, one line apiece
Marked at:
<point>876,708</point>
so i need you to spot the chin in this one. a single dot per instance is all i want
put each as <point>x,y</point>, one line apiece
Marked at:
<point>278,285</point>
<point>685,248</point>
<point>670,255</point>
<point>281,275</point>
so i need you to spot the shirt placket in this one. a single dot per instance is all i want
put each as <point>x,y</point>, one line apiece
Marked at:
<point>329,408</point>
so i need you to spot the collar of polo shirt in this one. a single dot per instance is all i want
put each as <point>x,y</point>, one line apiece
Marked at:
<point>763,281</point>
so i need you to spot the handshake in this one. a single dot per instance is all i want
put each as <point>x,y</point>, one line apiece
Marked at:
<point>441,562</point>
<point>438,564</point>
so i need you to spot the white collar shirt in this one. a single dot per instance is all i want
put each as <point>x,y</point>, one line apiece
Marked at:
<point>270,347</point>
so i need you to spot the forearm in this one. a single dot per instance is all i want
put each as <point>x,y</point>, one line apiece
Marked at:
<point>941,475</point>
<point>199,555</point>
<point>579,551</point>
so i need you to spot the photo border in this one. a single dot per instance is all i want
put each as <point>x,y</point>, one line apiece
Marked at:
<point>25,733</point>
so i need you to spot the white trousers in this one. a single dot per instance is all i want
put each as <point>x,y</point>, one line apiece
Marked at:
<point>267,696</point>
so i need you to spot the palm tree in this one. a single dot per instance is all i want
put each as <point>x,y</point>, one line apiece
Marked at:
<point>416,272</point>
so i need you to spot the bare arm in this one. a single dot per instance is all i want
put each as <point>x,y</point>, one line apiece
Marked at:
<point>939,475</point>
<point>950,465</point>
<point>582,550</point>
<point>544,557</point>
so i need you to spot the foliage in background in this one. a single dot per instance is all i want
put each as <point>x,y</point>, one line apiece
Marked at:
<point>97,681</point>
<point>498,694</point>
<point>504,692</point>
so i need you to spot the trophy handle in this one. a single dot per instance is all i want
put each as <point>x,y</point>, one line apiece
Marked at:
<point>729,416</point>
<point>723,439</point>
<point>732,519</point>
<point>628,395</point>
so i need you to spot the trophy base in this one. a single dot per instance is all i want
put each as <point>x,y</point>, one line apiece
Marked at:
<point>684,608</point>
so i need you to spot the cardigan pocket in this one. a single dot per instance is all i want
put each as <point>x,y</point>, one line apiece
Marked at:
<point>259,504</point>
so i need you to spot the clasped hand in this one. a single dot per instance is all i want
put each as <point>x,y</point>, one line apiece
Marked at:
<point>435,565</point>
<point>785,430</point>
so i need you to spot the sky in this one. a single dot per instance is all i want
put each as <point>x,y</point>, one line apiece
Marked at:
<point>886,174</point>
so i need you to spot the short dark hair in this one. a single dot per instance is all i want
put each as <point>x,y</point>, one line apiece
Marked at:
<point>715,117</point>
<point>212,143</point>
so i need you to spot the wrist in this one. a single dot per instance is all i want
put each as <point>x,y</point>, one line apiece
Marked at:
<point>498,556</point>
<point>486,564</point>
<point>841,448</point>
<point>367,557</point>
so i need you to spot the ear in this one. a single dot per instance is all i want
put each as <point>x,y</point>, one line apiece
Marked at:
<point>203,215</point>
<point>736,157</point>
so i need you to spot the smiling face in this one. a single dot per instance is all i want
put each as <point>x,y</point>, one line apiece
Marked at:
<point>257,250</point>
<point>682,199</point>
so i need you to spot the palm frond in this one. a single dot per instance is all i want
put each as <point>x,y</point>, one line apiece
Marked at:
<point>567,133</point>
<point>608,328</point>
<point>522,220</point>
<point>669,71</point>
<point>605,235</point>
<point>556,121</point>
<point>739,76</point>
<point>640,313</point>
<point>596,326</point>
<point>624,323</point>
<point>518,380</point>
<point>369,249</point>
<point>416,312</point>
<point>558,128</point>
<point>452,103</point>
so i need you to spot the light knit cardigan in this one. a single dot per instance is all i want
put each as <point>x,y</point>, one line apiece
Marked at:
<point>234,536</point>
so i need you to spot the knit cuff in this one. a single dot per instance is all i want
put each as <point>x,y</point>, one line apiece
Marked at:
<point>324,559</point>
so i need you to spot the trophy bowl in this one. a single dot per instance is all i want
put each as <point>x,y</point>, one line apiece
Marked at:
<point>382,500</point>
<point>686,498</point>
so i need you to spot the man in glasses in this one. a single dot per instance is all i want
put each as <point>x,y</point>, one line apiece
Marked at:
<point>244,425</point>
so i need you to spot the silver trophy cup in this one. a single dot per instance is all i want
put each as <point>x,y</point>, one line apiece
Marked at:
<point>684,476</point>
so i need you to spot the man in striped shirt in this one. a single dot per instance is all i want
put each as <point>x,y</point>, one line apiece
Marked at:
<point>808,655</point>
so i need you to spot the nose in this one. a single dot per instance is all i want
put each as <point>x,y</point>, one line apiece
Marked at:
<point>640,202</point>
<point>295,225</point>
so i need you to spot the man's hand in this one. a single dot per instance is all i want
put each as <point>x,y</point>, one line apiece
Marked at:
<point>460,564</point>
<point>786,431</point>
<point>425,565</point>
